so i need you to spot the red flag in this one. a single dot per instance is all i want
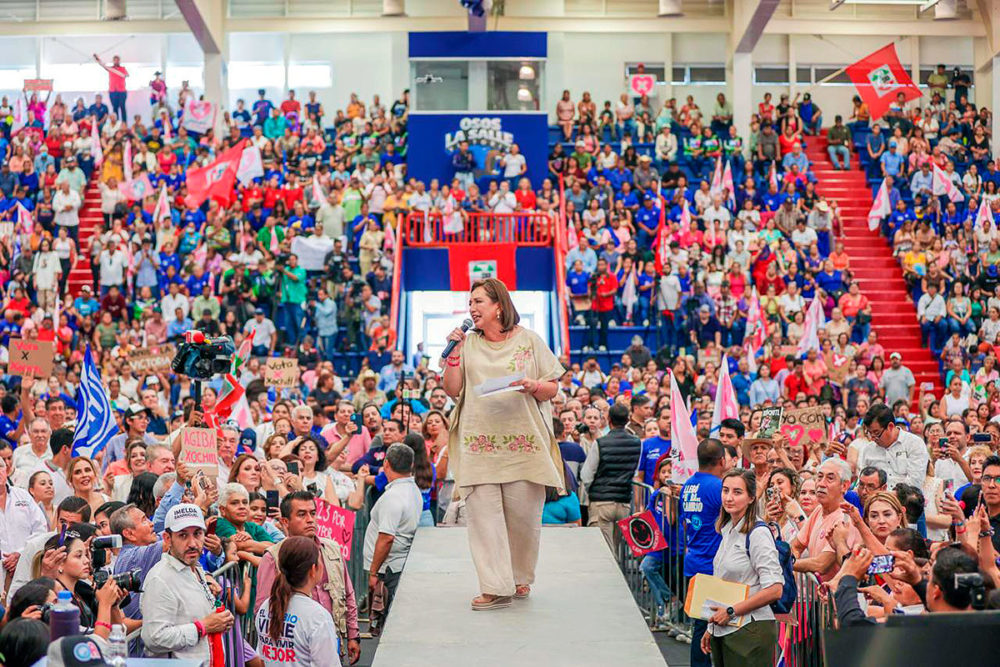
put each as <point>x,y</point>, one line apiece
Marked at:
<point>217,180</point>
<point>879,78</point>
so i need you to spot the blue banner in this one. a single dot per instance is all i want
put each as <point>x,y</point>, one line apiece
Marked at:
<point>433,138</point>
<point>490,44</point>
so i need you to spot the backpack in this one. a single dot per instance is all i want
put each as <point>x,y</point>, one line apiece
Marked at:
<point>789,592</point>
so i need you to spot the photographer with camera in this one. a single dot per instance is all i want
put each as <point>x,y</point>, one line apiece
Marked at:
<point>142,549</point>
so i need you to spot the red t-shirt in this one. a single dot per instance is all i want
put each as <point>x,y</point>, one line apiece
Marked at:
<point>795,385</point>
<point>526,198</point>
<point>607,287</point>
<point>54,144</point>
<point>116,78</point>
<point>291,106</point>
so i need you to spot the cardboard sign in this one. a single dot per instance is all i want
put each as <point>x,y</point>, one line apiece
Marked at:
<point>337,524</point>
<point>711,355</point>
<point>770,422</point>
<point>31,358</point>
<point>805,426</point>
<point>281,372</point>
<point>200,450</point>
<point>837,366</point>
<point>152,359</point>
<point>642,534</point>
<point>36,85</point>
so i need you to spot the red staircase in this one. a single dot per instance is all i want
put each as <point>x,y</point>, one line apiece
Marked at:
<point>874,268</point>
<point>91,223</point>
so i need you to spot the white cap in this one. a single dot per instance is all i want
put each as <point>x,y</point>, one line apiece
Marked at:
<point>184,516</point>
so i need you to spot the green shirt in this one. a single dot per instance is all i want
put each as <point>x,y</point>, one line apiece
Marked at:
<point>294,291</point>
<point>839,134</point>
<point>225,529</point>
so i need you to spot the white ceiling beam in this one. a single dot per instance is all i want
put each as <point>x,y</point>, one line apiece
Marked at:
<point>206,20</point>
<point>749,23</point>
<point>988,14</point>
<point>866,27</point>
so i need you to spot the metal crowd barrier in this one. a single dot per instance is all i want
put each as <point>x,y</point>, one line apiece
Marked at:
<point>526,229</point>
<point>799,639</point>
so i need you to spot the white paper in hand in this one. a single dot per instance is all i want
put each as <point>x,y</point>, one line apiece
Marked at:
<point>500,385</point>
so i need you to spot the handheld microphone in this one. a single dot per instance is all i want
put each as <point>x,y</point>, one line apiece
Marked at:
<point>466,325</point>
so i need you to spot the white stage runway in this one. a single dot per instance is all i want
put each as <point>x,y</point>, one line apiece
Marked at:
<point>580,612</point>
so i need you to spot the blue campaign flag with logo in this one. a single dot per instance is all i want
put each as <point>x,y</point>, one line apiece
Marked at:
<point>95,418</point>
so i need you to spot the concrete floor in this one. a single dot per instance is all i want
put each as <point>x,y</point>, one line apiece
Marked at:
<point>580,611</point>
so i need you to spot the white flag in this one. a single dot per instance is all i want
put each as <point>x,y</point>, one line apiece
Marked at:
<point>629,294</point>
<point>815,319</point>
<point>941,184</point>
<point>96,151</point>
<point>251,166</point>
<point>985,213</point>
<point>162,209</point>
<point>127,160</point>
<point>880,207</point>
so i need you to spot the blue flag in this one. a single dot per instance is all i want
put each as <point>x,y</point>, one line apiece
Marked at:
<point>95,418</point>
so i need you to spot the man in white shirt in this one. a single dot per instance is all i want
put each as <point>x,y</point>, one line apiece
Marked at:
<point>66,204</point>
<point>902,455</point>
<point>20,518</point>
<point>172,301</point>
<point>177,590</point>
<point>932,314</point>
<point>29,458</point>
<point>717,212</point>
<point>266,334</point>
<point>666,147</point>
<point>61,444</point>
<point>113,264</point>
<point>393,523</point>
<point>420,200</point>
<point>803,237</point>
<point>503,201</point>
<point>951,464</point>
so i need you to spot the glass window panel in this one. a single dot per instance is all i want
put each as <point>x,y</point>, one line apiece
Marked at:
<point>441,85</point>
<point>513,85</point>
<point>708,74</point>
<point>245,76</point>
<point>777,75</point>
<point>803,75</point>
<point>309,76</point>
<point>678,75</point>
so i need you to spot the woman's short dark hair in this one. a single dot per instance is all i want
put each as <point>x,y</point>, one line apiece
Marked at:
<point>141,493</point>
<point>320,453</point>
<point>35,592</point>
<point>23,642</point>
<point>497,292</point>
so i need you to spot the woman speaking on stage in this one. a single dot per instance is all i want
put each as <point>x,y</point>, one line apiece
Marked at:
<point>502,448</point>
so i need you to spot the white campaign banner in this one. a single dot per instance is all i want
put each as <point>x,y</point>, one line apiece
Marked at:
<point>311,251</point>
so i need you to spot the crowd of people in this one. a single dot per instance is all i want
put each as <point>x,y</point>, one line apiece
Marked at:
<point>655,239</point>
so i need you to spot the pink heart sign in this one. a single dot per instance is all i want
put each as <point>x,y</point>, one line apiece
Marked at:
<point>642,84</point>
<point>804,426</point>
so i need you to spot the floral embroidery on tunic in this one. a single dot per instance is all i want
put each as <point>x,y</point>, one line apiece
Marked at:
<point>482,443</point>
<point>520,443</point>
<point>520,359</point>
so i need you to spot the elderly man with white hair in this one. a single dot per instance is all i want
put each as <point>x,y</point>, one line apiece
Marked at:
<point>827,533</point>
<point>303,421</point>
<point>252,541</point>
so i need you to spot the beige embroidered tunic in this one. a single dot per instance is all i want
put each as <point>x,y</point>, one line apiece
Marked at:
<point>507,437</point>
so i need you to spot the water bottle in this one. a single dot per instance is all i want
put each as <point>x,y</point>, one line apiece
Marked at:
<point>64,619</point>
<point>117,654</point>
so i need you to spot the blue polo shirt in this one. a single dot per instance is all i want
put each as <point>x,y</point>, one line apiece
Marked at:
<point>7,427</point>
<point>701,502</point>
<point>652,449</point>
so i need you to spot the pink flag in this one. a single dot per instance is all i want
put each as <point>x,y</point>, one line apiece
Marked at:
<point>726,405</point>
<point>756,330</point>
<point>716,187</point>
<point>941,184</point>
<point>685,218</point>
<point>167,125</point>
<point>25,222</point>
<point>773,178</point>
<point>880,207</point>
<point>814,321</point>
<point>251,166</point>
<point>317,191</point>
<point>727,184</point>
<point>127,160</point>
<point>137,189</point>
<point>683,440</point>
<point>572,240</point>
<point>985,213</point>
<point>95,144</point>
<point>389,242</point>
<point>19,119</point>
<point>629,294</point>
<point>162,209</point>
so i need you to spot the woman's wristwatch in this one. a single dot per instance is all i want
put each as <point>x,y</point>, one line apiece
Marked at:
<point>731,613</point>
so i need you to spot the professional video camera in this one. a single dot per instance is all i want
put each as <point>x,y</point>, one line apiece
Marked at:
<point>202,358</point>
<point>977,588</point>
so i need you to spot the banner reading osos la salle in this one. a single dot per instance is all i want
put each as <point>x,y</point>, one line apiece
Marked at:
<point>435,137</point>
